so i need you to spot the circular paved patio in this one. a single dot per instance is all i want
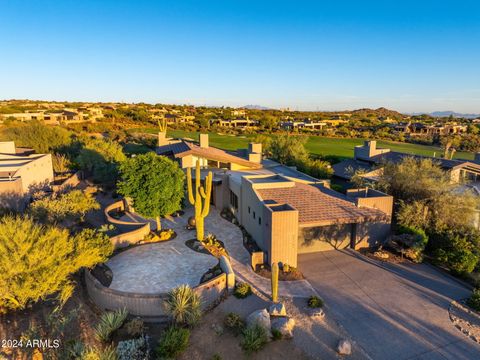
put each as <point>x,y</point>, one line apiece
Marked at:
<point>158,268</point>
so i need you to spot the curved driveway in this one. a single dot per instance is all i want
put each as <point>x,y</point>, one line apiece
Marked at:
<point>391,311</point>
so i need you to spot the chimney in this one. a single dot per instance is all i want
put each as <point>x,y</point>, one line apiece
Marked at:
<point>204,141</point>
<point>476,159</point>
<point>162,138</point>
<point>255,152</point>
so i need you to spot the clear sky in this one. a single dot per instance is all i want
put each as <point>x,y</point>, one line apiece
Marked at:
<point>330,55</point>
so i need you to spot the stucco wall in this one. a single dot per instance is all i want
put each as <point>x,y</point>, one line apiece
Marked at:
<point>282,234</point>
<point>323,238</point>
<point>253,215</point>
<point>371,234</point>
<point>37,173</point>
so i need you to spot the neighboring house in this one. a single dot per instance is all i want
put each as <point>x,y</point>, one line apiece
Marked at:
<point>236,123</point>
<point>284,210</point>
<point>49,117</point>
<point>430,130</point>
<point>369,159</point>
<point>306,124</point>
<point>22,172</point>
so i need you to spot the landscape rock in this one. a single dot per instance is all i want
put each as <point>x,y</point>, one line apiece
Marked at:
<point>285,325</point>
<point>277,309</point>
<point>344,347</point>
<point>317,314</point>
<point>261,318</point>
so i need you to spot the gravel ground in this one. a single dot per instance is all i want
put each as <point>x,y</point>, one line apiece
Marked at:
<point>312,339</point>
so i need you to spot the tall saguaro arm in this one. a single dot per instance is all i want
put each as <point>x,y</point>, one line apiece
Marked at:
<point>199,198</point>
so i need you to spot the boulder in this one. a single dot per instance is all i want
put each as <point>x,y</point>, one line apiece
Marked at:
<point>261,318</point>
<point>318,314</point>
<point>277,309</point>
<point>285,325</point>
<point>344,347</point>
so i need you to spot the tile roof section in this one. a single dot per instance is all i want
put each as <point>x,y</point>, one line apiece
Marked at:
<point>319,206</point>
<point>183,148</point>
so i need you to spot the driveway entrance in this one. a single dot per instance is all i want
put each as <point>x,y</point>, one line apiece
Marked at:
<point>392,311</point>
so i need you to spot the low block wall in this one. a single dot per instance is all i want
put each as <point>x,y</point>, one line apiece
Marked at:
<point>144,305</point>
<point>228,270</point>
<point>257,258</point>
<point>138,232</point>
<point>151,307</point>
<point>212,291</point>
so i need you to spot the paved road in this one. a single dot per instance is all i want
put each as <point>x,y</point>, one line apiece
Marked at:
<point>392,311</point>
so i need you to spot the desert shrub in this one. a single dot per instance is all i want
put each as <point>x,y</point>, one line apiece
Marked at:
<point>234,322</point>
<point>164,235</point>
<point>415,241</point>
<point>183,304</point>
<point>134,349</point>
<point>135,327</point>
<point>173,342</point>
<point>315,302</point>
<point>457,250</point>
<point>474,300</point>
<point>254,339</point>
<point>276,334</point>
<point>242,290</point>
<point>216,357</point>
<point>41,260</point>
<point>96,353</point>
<point>109,323</point>
<point>58,207</point>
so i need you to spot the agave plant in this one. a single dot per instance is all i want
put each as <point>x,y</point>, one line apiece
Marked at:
<point>183,304</point>
<point>109,323</point>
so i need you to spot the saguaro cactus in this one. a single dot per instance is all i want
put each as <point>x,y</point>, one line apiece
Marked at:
<point>274,282</point>
<point>162,125</point>
<point>200,199</point>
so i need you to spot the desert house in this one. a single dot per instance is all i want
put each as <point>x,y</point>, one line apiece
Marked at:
<point>284,210</point>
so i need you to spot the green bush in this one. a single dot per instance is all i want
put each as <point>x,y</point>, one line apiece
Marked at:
<point>109,323</point>
<point>474,300</point>
<point>254,339</point>
<point>277,334</point>
<point>415,239</point>
<point>183,304</point>
<point>242,290</point>
<point>315,302</point>
<point>235,323</point>
<point>173,342</point>
<point>456,251</point>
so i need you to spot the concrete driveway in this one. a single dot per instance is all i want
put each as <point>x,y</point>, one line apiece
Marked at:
<point>391,311</point>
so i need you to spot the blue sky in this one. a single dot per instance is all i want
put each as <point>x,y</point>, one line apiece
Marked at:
<point>330,55</point>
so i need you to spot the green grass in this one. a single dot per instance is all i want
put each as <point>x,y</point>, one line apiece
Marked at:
<point>316,144</point>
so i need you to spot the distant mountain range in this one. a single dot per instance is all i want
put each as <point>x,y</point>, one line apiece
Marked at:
<point>450,113</point>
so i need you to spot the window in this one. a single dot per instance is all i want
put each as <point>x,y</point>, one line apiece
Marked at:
<point>259,220</point>
<point>233,200</point>
<point>249,209</point>
<point>254,214</point>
